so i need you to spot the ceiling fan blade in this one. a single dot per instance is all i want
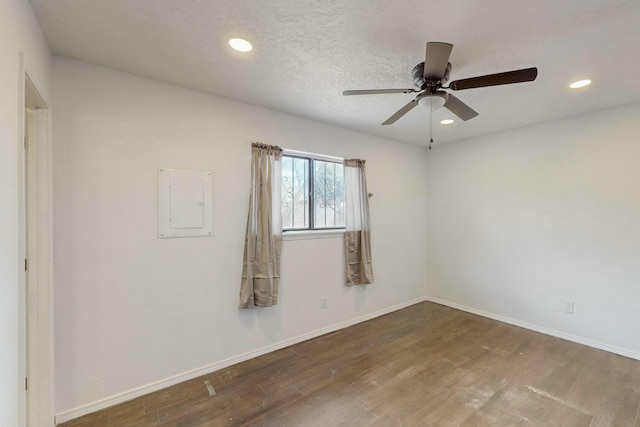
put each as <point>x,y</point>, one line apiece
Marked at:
<point>436,60</point>
<point>377,91</point>
<point>517,76</point>
<point>459,108</point>
<point>401,112</point>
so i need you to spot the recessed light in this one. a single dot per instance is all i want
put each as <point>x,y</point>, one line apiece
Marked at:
<point>580,83</point>
<point>446,121</point>
<point>240,45</point>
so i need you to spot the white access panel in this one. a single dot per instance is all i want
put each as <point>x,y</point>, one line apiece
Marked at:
<point>185,203</point>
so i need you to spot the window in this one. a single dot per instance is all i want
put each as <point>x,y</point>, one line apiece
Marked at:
<point>312,192</point>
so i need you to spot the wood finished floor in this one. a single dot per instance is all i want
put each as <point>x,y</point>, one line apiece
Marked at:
<point>426,365</point>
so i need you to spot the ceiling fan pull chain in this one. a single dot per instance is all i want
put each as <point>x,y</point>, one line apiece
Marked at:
<point>431,124</point>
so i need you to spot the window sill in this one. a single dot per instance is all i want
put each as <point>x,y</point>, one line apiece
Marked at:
<point>312,234</point>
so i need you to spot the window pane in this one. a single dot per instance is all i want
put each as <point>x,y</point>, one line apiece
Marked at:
<point>328,186</point>
<point>295,192</point>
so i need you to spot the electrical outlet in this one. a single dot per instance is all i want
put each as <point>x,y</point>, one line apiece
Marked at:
<point>323,303</point>
<point>568,307</point>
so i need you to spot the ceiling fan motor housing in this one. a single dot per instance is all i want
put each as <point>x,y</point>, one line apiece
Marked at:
<point>419,81</point>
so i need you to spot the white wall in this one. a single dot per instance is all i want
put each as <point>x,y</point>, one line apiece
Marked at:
<point>132,309</point>
<point>522,221</point>
<point>517,224</point>
<point>19,33</point>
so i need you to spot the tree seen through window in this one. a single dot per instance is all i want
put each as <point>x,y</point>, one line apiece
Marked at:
<point>312,194</point>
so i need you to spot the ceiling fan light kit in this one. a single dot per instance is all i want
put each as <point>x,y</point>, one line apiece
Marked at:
<point>431,76</point>
<point>433,101</point>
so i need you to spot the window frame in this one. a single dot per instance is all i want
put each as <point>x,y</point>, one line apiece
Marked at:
<point>310,158</point>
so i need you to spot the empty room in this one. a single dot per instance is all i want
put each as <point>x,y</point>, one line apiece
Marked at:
<point>319,213</point>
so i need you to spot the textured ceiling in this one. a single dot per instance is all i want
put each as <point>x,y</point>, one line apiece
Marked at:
<point>306,52</point>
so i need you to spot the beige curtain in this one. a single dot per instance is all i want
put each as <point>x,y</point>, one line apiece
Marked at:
<point>263,242</point>
<point>358,231</point>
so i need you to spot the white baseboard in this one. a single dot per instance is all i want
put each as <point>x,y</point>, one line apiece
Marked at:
<point>555,333</point>
<point>158,385</point>
<point>71,414</point>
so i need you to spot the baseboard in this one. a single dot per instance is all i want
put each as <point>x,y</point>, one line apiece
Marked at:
<point>71,414</point>
<point>537,328</point>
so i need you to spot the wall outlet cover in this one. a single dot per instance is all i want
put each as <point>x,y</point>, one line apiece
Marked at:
<point>568,307</point>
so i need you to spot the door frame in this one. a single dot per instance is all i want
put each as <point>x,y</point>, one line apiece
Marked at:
<point>36,246</point>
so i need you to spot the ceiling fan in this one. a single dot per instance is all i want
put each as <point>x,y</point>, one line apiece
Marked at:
<point>430,77</point>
